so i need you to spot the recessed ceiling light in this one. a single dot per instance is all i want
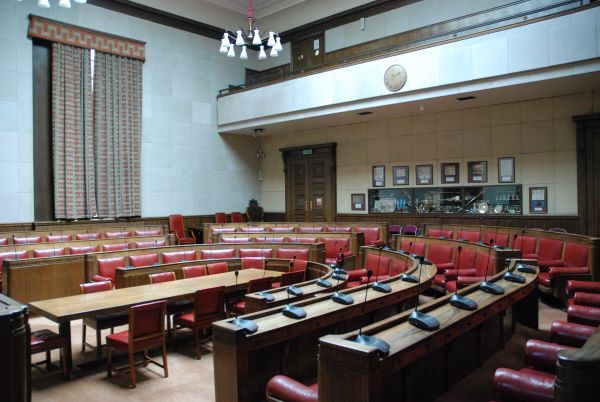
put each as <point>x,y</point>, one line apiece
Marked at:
<point>464,98</point>
<point>363,113</point>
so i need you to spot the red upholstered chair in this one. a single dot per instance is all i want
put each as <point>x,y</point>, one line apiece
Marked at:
<point>235,239</point>
<point>299,265</point>
<point>83,249</point>
<point>236,217</point>
<point>176,227</point>
<point>254,285</point>
<point>574,262</point>
<point>220,217</point>
<point>582,286</point>
<point>3,241</point>
<point>87,236</point>
<point>440,233</point>
<point>253,262</point>
<point>147,232</point>
<point>550,253</point>
<point>178,256</point>
<point>49,252</point>
<point>252,229</point>
<point>209,307</point>
<point>441,256</point>
<point>230,229</point>
<point>310,229</point>
<point>527,245</point>
<point>116,235</point>
<point>398,266</point>
<point>172,308</point>
<point>338,229</point>
<point>107,268</point>
<point>289,278</point>
<point>500,239</point>
<point>571,334</point>
<point>466,263</point>
<point>217,268</point>
<point>161,277</point>
<point>468,235</point>
<point>415,249</point>
<point>333,245</point>
<point>149,244</point>
<point>256,252</point>
<point>303,240</point>
<point>283,229</point>
<point>58,238</point>
<point>99,323</point>
<point>542,355</point>
<point>380,265</point>
<point>27,240</point>
<point>193,271</point>
<point>290,253</point>
<point>217,254</point>
<point>410,230</point>
<point>143,260</point>
<point>45,340</point>
<point>523,385</point>
<point>115,247</point>
<point>583,314</point>
<point>272,239</point>
<point>372,235</point>
<point>469,276</point>
<point>282,388</point>
<point>146,331</point>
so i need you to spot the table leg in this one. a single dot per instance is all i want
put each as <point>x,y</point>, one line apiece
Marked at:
<point>64,329</point>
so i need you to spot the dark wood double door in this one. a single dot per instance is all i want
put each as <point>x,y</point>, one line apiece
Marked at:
<point>310,183</point>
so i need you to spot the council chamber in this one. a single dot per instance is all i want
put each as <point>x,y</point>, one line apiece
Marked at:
<point>300,200</point>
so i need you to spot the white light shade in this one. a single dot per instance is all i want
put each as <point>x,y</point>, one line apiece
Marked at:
<point>44,3</point>
<point>256,40</point>
<point>64,3</point>
<point>81,1</point>
<point>226,39</point>
<point>244,54</point>
<point>231,52</point>
<point>273,52</point>
<point>271,41</point>
<point>223,48</point>
<point>262,55</point>
<point>278,46</point>
<point>238,39</point>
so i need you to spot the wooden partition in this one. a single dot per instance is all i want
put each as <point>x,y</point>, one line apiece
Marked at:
<point>244,363</point>
<point>577,372</point>
<point>15,380</point>
<point>421,364</point>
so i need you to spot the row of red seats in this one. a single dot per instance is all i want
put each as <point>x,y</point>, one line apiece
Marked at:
<point>536,381</point>
<point>107,266</point>
<point>4,241</point>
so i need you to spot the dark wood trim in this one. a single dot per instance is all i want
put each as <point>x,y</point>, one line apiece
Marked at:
<point>43,180</point>
<point>588,163</point>
<point>160,17</point>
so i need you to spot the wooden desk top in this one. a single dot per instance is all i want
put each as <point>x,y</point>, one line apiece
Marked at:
<point>70,308</point>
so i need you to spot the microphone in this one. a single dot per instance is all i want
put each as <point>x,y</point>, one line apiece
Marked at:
<point>54,246</point>
<point>460,230</point>
<point>510,275</point>
<point>521,267</point>
<point>496,235</point>
<point>441,236</point>
<point>459,301</point>
<point>294,290</point>
<point>378,286</point>
<point>324,283</point>
<point>408,277</point>
<point>481,230</point>
<point>490,287</point>
<point>420,320</point>
<point>292,311</point>
<point>383,348</point>
<point>249,326</point>
<point>340,297</point>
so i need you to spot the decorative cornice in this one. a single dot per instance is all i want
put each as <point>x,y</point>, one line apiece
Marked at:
<point>73,35</point>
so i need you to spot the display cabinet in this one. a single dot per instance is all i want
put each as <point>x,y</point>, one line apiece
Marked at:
<point>499,200</point>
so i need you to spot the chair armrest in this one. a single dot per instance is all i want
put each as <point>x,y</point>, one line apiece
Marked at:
<point>557,271</point>
<point>289,390</point>
<point>376,243</point>
<point>452,274</point>
<point>512,385</point>
<point>582,286</point>
<point>543,355</point>
<point>585,315</point>
<point>571,334</point>
<point>100,278</point>
<point>356,274</point>
<point>586,299</point>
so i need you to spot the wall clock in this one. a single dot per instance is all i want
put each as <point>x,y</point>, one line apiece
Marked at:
<point>394,77</point>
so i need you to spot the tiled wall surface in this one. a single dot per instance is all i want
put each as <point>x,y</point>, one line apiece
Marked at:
<point>186,166</point>
<point>539,133</point>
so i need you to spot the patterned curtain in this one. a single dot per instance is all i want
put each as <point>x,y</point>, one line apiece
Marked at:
<point>117,134</point>
<point>72,133</point>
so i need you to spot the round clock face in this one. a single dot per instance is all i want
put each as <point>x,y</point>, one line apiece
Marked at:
<point>394,77</point>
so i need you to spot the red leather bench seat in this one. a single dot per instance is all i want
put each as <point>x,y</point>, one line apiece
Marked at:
<point>441,256</point>
<point>178,256</point>
<point>256,252</point>
<point>468,235</point>
<point>217,254</point>
<point>437,233</point>
<point>290,253</point>
<point>372,235</point>
<point>143,260</point>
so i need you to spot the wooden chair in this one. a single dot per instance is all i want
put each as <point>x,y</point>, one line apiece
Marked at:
<point>146,330</point>
<point>208,308</point>
<point>98,323</point>
<point>255,285</point>
<point>193,271</point>
<point>176,227</point>
<point>45,340</point>
<point>217,268</point>
<point>289,278</point>
<point>253,262</point>
<point>172,308</point>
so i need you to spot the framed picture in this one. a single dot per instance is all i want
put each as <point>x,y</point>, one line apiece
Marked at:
<point>400,175</point>
<point>477,172</point>
<point>506,169</point>
<point>424,174</point>
<point>358,202</point>
<point>450,172</point>
<point>379,176</point>
<point>538,200</point>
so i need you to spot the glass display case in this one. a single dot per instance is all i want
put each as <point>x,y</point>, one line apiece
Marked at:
<point>502,199</point>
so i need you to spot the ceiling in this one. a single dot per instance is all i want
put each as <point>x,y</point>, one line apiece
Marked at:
<point>261,8</point>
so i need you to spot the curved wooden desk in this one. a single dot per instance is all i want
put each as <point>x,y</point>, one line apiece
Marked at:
<point>423,364</point>
<point>244,363</point>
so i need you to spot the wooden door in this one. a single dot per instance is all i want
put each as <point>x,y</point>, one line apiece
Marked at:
<point>588,171</point>
<point>308,53</point>
<point>310,183</point>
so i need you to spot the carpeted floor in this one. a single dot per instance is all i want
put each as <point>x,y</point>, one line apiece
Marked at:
<point>192,380</point>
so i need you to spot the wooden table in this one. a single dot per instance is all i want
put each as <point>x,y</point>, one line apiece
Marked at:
<point>63,310</point>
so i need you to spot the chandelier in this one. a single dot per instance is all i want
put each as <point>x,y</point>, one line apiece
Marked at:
<point>252,37</point>
<point>258,132</point>
<point>61,3</point>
